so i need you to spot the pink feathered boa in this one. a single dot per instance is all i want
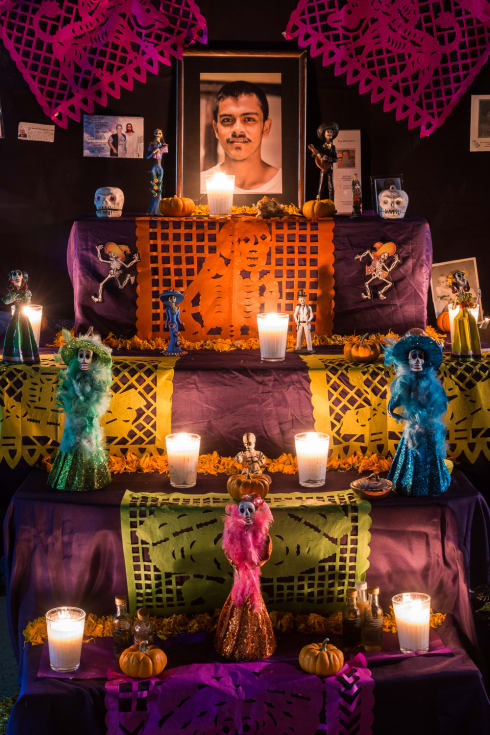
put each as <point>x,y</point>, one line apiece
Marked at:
<point>244,546</point>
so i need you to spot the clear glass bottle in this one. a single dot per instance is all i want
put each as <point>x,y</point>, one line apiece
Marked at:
<point>351,621</point>
<point>362,597</point>
<point>143,628</point>
<point>372,629</point>
<point>121,627</point>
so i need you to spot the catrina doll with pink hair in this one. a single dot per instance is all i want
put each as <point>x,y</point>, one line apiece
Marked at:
<point>244,630</point>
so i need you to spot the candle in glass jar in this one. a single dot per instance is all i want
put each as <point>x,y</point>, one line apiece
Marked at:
<point>65,627</point>
<point>412,615</point>
<point>312,453</point>
<point>220,188</point>
<point>273,334</point>
<point>183,455</point>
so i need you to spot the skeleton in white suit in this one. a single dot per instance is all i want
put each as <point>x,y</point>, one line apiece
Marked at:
<point>303,316</point>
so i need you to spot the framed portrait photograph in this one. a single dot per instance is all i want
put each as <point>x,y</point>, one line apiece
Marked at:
<point>113,136</point>
<point>480,123</point>
<point>442,293</point>
<point>242,113</point>
<point>380,183</point>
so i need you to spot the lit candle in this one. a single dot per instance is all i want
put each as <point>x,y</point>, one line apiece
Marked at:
<point>312,453</point>
<point>453,312</point>
<point>65,634</point>
<point>34,313</point>
<point>220,189</point>
<point>183,454</point>
<point>412,615</point>
<point>273,333</point>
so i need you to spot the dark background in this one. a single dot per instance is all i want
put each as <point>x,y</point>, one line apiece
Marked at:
<point>44,187</point>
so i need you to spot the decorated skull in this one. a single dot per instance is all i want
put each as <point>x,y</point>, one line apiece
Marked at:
<point>393,203</point>
<point>247,510</point>
<point>109,201</point>
<point>416,359</point>
<point>85,358</point>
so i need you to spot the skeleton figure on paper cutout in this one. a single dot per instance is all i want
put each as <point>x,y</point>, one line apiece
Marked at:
<point>378,269</point>
<point>117,257</point>
<point>243,283</point>
<point>253,457</point>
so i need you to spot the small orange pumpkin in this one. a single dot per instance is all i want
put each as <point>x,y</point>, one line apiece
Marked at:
<point>177,206</point>
<point>240,485</point>
<point>365,351</point>
<point>348,345</point>
<point>443,321</point>
<point>142,661</point>
<point>322,659</point>
<point>318,208</point>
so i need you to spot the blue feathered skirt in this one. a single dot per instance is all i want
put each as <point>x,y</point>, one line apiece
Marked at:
<point>79,470</point>
<point>419,469</point>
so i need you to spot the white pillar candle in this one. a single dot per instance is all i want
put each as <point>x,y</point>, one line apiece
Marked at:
<point>183,455</point>
<point>273,334</point>
<point>412,615</point>
<point>34,313</point>
<point>219,188</point>
<point>312,453</point>
<point>65,634</point>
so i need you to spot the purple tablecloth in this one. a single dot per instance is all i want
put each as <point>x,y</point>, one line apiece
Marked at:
<point>440,695</point>
<point>65,548</point>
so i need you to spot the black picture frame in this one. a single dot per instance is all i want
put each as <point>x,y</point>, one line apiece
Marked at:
<point>380,183</point>
<point>191,128</point>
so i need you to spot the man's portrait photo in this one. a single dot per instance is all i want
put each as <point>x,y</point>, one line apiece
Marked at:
<point>240,130</point>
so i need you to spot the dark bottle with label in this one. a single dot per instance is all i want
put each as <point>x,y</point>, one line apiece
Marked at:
<point>372,629</point>
<point>351,621</point>
<point>143,628</point>
<point>121,627</point>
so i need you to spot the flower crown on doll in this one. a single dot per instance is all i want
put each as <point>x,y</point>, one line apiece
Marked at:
<point>253,498</point>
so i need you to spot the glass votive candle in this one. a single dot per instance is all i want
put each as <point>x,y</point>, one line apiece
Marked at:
<point>312,454</point>
<point>183,455</point>
<point>412,615</point>
<point>273,334</point>
<point>65,634</point>
<point>34,312</point>
<point>220,188</point>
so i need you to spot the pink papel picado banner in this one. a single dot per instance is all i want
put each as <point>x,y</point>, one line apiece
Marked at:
<point>416,56</point>
<point>73,54</point>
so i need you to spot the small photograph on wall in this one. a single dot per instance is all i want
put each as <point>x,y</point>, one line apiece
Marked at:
<point>442,292</point>
<point>480,123</point>
<point>111,136</point>
<point>380,183</point>
<point>348,145</point>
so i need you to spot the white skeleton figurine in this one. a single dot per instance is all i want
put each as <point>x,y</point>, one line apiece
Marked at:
<point>303,316</point>
<point>251,456</point>
<point>379,269</point>
<point>116,265</point>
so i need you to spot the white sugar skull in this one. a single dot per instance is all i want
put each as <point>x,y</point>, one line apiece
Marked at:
<point>247,511</point>
<point>109,201</point>
<point>416,359</point>
<point>393,203</point>
<point>85,358</point>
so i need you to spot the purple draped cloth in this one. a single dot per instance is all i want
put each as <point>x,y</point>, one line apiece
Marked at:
<point>75,54</point>
<point>416,57</point>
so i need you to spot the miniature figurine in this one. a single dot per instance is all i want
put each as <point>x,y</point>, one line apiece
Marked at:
<point>253,457</point>
<point>393,203</point>
<point>356,197</point>
<point>109,201</point>
<point>465,337</point>
<point>156,149</point>
<point>418,467</point>
<point>244,631</point>
<point>19,345</point>
<point>172,299</point>
<point>326,132</point>
<point>379,269</point>
<point>84,394</point>
<point>267,208</point>
<point>303,316</point>
<point>117,257</point>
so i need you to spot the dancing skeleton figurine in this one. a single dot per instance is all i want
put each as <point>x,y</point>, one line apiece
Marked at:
<point>117,254</point>
<point>379,269</point>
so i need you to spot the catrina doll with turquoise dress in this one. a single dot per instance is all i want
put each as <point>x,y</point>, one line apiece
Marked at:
<point>84,394</point>
<point>19,346</point>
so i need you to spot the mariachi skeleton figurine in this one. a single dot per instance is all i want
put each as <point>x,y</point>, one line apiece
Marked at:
<point>117,262</point>
<point>253,457</point>
<point>379,269</point>
<point>303,316</point>
<point>325,159</point>
<point>171,300</point>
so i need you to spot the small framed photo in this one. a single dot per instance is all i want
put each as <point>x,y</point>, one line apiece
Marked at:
<point>380,183</point>
<point>111,136</point>
<point>242,113</point>
<point>480,123</point>
<point>442,293</point>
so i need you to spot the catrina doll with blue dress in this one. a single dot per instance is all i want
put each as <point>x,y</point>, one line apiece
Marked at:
<point>84,394</point>
<point>19,346</point>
